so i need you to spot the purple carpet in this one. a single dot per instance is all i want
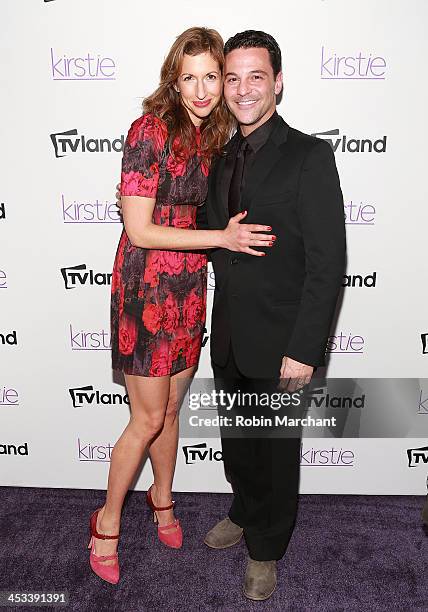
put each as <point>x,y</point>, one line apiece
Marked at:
<point>348,553</point>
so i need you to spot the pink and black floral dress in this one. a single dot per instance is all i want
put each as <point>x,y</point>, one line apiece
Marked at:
<point>158,298</point>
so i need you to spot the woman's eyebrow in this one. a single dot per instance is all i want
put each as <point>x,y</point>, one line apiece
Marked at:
<point>209,72</point>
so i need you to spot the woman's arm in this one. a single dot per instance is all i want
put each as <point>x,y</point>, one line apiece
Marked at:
<point>142,232</point>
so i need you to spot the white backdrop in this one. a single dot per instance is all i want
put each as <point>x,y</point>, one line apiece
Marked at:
<point>84,67</point>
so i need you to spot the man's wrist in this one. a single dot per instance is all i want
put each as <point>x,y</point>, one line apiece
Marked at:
<point>296,359</point>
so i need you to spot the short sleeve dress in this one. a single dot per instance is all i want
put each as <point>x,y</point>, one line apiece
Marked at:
<point>158,297</point>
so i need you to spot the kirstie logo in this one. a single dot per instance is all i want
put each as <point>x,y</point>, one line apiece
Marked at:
<point>85,67</point>
<point>358,66</point>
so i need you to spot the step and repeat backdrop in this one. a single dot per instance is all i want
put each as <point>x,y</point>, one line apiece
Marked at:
<point>73,78</point>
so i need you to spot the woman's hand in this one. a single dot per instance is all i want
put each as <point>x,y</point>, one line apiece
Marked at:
<point>241,237</point>
<point>235,237</point>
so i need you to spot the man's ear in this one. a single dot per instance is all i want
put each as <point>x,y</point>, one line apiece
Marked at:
<point>278,83</point>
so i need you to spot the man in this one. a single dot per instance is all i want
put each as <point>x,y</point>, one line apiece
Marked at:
<point>271,315</point>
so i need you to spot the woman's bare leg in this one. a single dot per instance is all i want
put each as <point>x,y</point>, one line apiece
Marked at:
<point>163,449</point>
<point>148,398</point>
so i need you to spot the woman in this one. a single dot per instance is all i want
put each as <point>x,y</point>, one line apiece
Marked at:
<point>158,285</point>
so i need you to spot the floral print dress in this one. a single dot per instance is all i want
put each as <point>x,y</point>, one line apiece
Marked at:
<point>158,297</point>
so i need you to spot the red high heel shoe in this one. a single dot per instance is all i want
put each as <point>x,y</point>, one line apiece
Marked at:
<point>169,536</point>
<point>109,573</point>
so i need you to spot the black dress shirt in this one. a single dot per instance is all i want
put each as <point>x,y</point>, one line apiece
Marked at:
<point>255,141</point>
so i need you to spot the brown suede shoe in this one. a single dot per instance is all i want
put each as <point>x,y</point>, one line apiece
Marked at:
<point>260,579</point>
<point>425,513</point>
<point>224,534</point>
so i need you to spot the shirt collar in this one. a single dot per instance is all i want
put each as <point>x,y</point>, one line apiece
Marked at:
<point>260,135</point>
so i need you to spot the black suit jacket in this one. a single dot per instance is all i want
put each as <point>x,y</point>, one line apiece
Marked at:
<point>283,303</point>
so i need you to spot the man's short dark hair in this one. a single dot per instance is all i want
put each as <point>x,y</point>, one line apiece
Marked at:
<point>251,39</point>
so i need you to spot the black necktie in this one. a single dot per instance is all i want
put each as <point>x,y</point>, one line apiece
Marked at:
<point>236,181</point>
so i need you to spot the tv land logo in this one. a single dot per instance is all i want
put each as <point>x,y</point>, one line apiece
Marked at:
<point>94,452</point>
<point>80,275</point>
<point>424,340</point>
<point>82,397</point>
<point>359,214</point>
<point>417,456</point>
<point>423,404</point>
<point>352,67</point>
<point>201,452</point>
<point>87,67</point>
<point>326,457</point>
<point>358,280</point>
<point>2,211</point>
<point>89,211</point>
<point>320,398</point>
<point>84,340</point>
<point>70,142</point>
<point>9,396</point>
<point>3,279</point>
<point>345,344</point>
<point>9,338</point>
<point>14,449</point>
<point>345,144</point>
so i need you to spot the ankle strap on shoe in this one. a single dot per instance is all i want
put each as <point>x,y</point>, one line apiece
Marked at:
<point>157,508</point>
<point>104,536</point>
<point>94,532</point>
<point>172,504</point>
